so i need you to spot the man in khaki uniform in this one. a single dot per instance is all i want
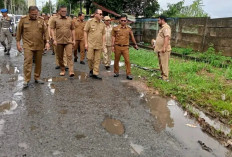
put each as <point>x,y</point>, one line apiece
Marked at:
<point>32,29</point>
<point>64,39</point>
<point>79,32</point>
<point>5,23</point>
<point>107,49</point>
<point>94,40</point>
<point>163,47</point>
<point>120,45</point>
<point>54,46</point>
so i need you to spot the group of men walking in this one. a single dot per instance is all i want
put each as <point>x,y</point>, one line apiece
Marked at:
<point>67,35</point>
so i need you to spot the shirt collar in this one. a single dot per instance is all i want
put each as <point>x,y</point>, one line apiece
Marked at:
<point>164,24</point>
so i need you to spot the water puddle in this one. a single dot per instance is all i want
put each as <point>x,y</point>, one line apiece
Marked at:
<point>7,107</point>
<point>7,68</point>
<point>173,119</point>
<point>113,126</point>
<point>64,111</point>
<point>56,79</point>
<point>82,76</point>
<point>52,88</point>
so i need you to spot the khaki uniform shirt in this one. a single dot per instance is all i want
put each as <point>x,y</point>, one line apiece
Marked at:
<point>163,32</point>
<point>95,31</point>
<point>32,32</point>
<point>109,35</point>
<point>49,23</point>
<point>5,22</point>
<point>63,27</point>
<point>121,34</point>
<point>79,29</point>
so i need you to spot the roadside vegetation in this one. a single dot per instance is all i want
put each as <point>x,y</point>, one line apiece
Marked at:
<point>197,83</point>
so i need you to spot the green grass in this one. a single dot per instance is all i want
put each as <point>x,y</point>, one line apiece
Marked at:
<point>191,82</point>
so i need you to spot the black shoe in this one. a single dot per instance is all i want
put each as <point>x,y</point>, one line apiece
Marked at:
<point>57,67</point>
<point>8,52</point>
<point>96,77</point>
<point>107,67</point>
<point>128,77</point>
<point>66,68</point>
<point>82,62</point>
<point>5,49</point>
<point>53,53</point>
<point>91,73</point>
<point>39,81</point>
<point>116,75</point>
<point>25,84</point>
<point>75,59</point>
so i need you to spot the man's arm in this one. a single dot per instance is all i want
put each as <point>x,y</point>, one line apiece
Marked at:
<point>19,35</point>
<point>113,40</point>
<point>73,37</point>
<point>47,45</point>
<point>133,40</point>
<point>86,40</point>
<point>166,40</point>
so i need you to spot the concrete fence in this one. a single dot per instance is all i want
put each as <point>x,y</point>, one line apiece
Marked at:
<point>196,33</point>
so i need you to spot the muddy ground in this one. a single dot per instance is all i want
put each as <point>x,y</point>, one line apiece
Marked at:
<point>82,117</point>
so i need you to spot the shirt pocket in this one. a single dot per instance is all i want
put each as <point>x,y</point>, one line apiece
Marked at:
<point>26,27</point>
<point>93,28</point>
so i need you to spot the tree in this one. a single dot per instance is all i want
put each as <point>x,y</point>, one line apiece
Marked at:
<point>48,8</point>
<point>179,10</point>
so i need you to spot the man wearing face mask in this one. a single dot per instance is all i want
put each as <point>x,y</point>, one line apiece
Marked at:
<point>5,23</point>
<point>94,35</point>
<point>32,29</point>
<point>163,47</point>
<point>64,39</point>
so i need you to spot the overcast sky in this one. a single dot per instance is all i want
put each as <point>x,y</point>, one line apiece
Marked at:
<point>215,8</point>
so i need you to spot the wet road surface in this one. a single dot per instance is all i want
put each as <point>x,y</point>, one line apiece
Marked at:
<point>82,117</point>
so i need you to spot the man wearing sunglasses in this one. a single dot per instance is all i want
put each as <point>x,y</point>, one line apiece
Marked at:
<point>120,45</point>
<point>94,35</point>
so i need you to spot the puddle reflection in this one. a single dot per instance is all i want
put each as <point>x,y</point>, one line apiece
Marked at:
<point>113,126</point>
<point>8,68</point>
<point>7,107</point>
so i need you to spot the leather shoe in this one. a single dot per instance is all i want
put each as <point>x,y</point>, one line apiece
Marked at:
<point>75,59</point>
<point>96,77</point>
<point>25,84</point>
<point>57,67</point>
<point>66,68</point>
<point>91,73</point>
<point>53,53</point>
<point>82,62</point>
<point>128,77</point>
<point>116,75</point>
<point>5,49</point>
<point>39,81</point>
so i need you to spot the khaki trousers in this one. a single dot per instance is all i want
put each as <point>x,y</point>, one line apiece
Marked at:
<point>27,66</point>
<point>124,51</point>
<point>80,45</point>
<point>56,57</point>
<point>94,58</point>
<point>163,63</point>
<point>107,50</point>
<point>6,34</point>
<point>61,48</point>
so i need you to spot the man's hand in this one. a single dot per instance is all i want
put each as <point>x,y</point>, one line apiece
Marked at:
<point>47,46</point>
<point>55,42</point>
<point>74,43</point>
<point>163,50</point>
<point>19,47</point>
<point>136,47</point>
<point>113,48</point>
<point>86,47</point>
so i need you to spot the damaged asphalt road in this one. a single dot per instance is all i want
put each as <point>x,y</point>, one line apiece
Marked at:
<point>82,117</point>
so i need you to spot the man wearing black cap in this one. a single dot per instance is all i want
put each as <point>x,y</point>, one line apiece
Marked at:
<point>5,23</point>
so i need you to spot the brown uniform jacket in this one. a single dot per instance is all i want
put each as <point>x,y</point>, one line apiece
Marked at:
<point>79,29</point>
<point>63,27</point>
<point>32,32</point>
<point>121,34</point>
<point>95,31</point>
<point>163,32</point>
